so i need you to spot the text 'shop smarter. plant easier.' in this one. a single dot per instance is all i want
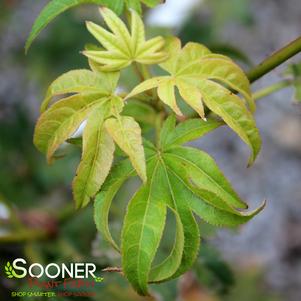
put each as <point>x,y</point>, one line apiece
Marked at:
<point>183,180</point>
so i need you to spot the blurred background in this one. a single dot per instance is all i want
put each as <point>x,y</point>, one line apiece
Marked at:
<point>260,261</point>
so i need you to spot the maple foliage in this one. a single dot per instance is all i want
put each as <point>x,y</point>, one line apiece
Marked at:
<point>183,180</point>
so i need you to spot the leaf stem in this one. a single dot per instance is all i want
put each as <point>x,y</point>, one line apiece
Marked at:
<point>158,125</point>
<point>139,72</point>
<point>274,60</point>
<point>272,89</point>
<point>145,72</point>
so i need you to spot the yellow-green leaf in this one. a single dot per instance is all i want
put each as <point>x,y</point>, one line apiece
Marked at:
<point>59,123</point>
<point>123,47</point>
<point>57,7</point>
<point>126,133</point>
<point>192,96</point>
<point>223,70</point>
<point>204,77</point>
<point>118,175</point>
<point>81,81</point>
<point>234,113</point>
<point>166,92</point>
<point>97,158</point>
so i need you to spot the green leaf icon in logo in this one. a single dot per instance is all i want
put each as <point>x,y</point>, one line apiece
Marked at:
<point>98,279</point>
<point>10,273</point>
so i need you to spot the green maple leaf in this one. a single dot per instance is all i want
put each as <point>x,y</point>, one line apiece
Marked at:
<point>57,7</point>
<point>181,179</point>
<point>93,100</point>
<point>136,4</point>
<point>127,134</point>
<point>203,77</point>
<point>123,47</point>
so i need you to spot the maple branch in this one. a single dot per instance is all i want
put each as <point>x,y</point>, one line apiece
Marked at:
<point>272,89</point>
<point>275,60</point>
<point>113,270</point>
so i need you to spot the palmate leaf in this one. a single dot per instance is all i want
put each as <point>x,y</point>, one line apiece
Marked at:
<point>57,7</point>
<point>126,133</point>
<point>63,118</point>
<point>94,101</point>
<point>97,158</point>
<point>189,130</point>
<point>141,112</point>
<point>118,175</point>
<point>123,47</point>
<point>203,77</point>
<point>181,179</point>
<point>136,4</point>
<point>61,121</point>
<point>143,228</point>
<point>81,81</point>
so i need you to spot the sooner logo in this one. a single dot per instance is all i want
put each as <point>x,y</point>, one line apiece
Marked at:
<point>19,269</point>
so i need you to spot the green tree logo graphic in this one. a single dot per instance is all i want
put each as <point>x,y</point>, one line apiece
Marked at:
<point>98,279</point>
<point>9,270</point>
